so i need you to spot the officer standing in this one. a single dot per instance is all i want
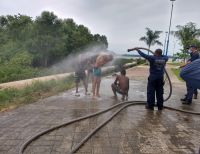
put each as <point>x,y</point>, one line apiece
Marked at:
<point>191,74</point>
<point>190,90</point>
<point>156,77</point>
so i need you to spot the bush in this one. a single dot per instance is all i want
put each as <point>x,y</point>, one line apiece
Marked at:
<point>22,59</point>
<point>15,72</point>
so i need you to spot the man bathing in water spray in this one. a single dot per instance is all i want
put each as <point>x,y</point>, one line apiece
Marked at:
<point>121,85</point>
<point>80,75</point>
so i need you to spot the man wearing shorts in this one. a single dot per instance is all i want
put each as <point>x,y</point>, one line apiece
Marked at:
<point>80,75</point>
<point>121,85</point>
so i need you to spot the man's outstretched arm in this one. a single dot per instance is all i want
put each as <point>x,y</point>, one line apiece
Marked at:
<point>141,53</point>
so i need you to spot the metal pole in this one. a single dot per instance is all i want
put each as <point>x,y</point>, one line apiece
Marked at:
<point>169,27</point>
<point>165,42</point>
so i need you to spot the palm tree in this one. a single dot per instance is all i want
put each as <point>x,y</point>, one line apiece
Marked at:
<point>187,34</point>
<point>151,37</point>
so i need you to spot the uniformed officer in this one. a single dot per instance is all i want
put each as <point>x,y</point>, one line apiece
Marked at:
<point>191,74</point>
<point>156,78</point>
<point>190,90</point>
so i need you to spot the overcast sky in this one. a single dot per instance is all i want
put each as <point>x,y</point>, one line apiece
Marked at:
<point>122,21</point>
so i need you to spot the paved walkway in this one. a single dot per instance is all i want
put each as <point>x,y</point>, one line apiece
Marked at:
<point>134,130</point>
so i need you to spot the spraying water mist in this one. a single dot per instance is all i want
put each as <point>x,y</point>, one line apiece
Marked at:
<point>69,63</point>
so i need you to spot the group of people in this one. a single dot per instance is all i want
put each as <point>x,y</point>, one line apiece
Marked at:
<point>190,73</point>
<point>90,68</point>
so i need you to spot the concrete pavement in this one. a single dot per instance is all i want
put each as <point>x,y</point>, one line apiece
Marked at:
<point>134,130</point>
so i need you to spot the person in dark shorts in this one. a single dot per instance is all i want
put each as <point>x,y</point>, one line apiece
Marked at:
<point>121,85</point>
<point>80,75</point>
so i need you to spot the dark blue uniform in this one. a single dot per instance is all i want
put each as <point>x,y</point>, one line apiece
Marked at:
<point>191,74</point>
<point>155,79</point>
<point>190,89</point>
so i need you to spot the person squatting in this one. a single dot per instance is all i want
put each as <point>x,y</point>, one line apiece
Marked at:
<point>121,85</point>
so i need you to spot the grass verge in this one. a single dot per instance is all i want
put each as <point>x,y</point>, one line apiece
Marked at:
<point>176,71</point>
<point>12,98</point>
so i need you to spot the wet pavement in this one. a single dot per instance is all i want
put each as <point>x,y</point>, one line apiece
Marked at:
<point>134,130</point>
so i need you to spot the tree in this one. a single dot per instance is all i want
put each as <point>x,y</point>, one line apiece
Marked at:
<point>46,39</point>
<point>187,34</point>
<point>101,40</point>
<point>151,37</point>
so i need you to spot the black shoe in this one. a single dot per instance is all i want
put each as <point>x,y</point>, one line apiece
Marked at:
<point>195,96</point>
<point>160,108</point>
<point>188,102</point>
<point>183,99</point>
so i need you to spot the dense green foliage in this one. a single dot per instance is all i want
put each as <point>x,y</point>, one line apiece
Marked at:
<point>15,97</point>
<point>26,44</point>
<point>188,35</point>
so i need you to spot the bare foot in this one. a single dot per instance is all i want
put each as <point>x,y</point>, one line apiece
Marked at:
<point>93,97</point>
<point>77,94</point>
<point>87,93</point>
<point>98,95</point>
<point>114,97</point>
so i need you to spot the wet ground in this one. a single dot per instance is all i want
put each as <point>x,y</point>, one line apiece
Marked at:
<point>134,130</point>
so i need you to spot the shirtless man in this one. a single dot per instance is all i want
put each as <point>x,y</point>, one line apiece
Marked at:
<point>121,85</point>
<point>80,75</point>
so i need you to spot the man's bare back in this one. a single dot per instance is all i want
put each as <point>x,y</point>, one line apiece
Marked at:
<point>123,83</point>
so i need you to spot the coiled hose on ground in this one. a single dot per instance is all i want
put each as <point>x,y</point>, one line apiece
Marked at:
<point>123,104</point>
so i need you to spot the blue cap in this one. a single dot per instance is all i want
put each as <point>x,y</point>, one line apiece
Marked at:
<point>193,46</point>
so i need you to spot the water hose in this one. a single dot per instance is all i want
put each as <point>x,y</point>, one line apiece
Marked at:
<point>125,105</point>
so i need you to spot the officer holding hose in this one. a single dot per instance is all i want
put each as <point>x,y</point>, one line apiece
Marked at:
<point>156,77</point>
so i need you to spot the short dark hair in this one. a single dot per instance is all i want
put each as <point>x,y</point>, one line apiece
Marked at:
<point>158,52</point>
<point>123,72</point>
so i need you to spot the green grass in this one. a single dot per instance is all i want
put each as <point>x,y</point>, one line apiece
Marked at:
<point>11,98</point>
<point>175,63</point>
<point>177,72</point>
